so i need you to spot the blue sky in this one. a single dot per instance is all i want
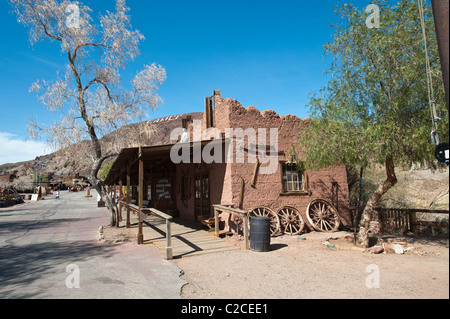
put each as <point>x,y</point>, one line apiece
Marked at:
<point>268,54</point>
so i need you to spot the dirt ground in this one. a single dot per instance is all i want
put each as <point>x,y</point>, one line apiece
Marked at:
<point>306,267</point>
<point>310,269</point>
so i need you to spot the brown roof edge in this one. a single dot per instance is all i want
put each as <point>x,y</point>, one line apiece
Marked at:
<point>129,156</point>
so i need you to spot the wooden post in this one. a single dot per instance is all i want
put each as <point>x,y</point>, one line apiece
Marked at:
<point>241,193</point>
<point>414,223</point>
<point>120,199</point>
<point>120,211</point>
<point>246,243</point>
<point>255,172</point>
<point>140,236</point>
<point>169,253</point>
<point>128,217</point>
<point>216,222</point>
<point>128,184</point>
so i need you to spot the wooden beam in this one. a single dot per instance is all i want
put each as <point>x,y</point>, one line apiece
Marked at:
<point>241,193</point>
<point>120,198</point>
<point>255,172</point>
<point>216,223</point>
<point>128,184</point>
<point>246,233</point>
<point>208,112</point>
<point>169,252</point>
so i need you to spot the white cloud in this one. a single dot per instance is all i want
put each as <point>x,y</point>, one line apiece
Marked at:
<point>13,149</point>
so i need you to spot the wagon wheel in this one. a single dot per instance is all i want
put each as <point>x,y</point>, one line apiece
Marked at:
<point>267,212</point>
<point>323,216</point>
<point>291,221</point>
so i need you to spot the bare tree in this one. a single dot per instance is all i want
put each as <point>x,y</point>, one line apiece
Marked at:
<point>90,96</point>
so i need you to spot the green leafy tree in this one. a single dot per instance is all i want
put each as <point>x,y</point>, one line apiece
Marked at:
<point>37,178</point>
<point>105,170</point>
<point>375,108</point>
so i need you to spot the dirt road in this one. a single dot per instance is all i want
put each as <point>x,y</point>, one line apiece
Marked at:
<point>297,269</point>
<point>49,249</point>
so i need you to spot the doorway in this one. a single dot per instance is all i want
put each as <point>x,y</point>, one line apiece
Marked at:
<point>202,205</point>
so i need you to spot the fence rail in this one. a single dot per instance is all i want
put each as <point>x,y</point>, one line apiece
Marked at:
<point>399,219</point>
<point>153,211</point>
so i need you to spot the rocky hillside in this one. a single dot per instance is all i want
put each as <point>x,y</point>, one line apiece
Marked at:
<point>417,187</point>
<point>61,165</point>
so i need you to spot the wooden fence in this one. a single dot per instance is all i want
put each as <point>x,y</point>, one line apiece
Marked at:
<point>406,220</point>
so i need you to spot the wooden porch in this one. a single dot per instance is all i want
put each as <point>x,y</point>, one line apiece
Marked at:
<point>150,205</point>
<point>188,238</point>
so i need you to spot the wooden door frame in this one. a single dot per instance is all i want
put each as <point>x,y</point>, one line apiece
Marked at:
<point>201,202</point>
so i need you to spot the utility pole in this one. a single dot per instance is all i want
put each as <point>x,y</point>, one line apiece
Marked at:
<point>441,21</point>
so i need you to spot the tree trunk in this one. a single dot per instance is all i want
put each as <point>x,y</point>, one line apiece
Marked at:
<point>98,184</point>
<point>391,180</point>
<point>109,202</point>
<point>358,202</point>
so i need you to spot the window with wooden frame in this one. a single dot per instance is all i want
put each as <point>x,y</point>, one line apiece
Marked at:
<point>294,180</point>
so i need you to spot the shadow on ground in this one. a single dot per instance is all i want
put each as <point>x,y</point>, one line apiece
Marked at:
<point>20,266</point>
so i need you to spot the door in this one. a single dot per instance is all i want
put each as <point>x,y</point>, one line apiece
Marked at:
<point>202,198</point>
<point>163,193</point>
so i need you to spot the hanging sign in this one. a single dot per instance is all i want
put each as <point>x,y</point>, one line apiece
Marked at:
<point>163,189</point>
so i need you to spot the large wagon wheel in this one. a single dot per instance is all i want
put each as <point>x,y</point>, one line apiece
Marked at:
<point>267,212</point>
<point>323,216</point>
<point>291,220</point>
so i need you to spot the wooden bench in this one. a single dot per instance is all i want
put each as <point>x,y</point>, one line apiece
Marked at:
<point>211,223</point>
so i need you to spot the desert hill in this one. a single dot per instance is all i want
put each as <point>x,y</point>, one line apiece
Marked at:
<point>61,165</point>
<point>416,187</point>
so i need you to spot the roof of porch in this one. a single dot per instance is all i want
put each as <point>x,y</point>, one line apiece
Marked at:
<point>151,155</point>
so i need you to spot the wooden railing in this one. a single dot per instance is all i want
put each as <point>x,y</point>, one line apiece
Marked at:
<point>168,218</point>
<point>143,213</point>
<point>130,208</point>
<point>406,219</point>
<point>242,213</point>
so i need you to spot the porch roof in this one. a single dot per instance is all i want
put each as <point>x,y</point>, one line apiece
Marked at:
<point>151,155</point>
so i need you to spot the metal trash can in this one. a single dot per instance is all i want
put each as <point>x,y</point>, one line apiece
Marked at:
<point>260,234</point>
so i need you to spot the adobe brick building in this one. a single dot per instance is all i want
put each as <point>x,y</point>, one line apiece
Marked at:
<point>252,168</point>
